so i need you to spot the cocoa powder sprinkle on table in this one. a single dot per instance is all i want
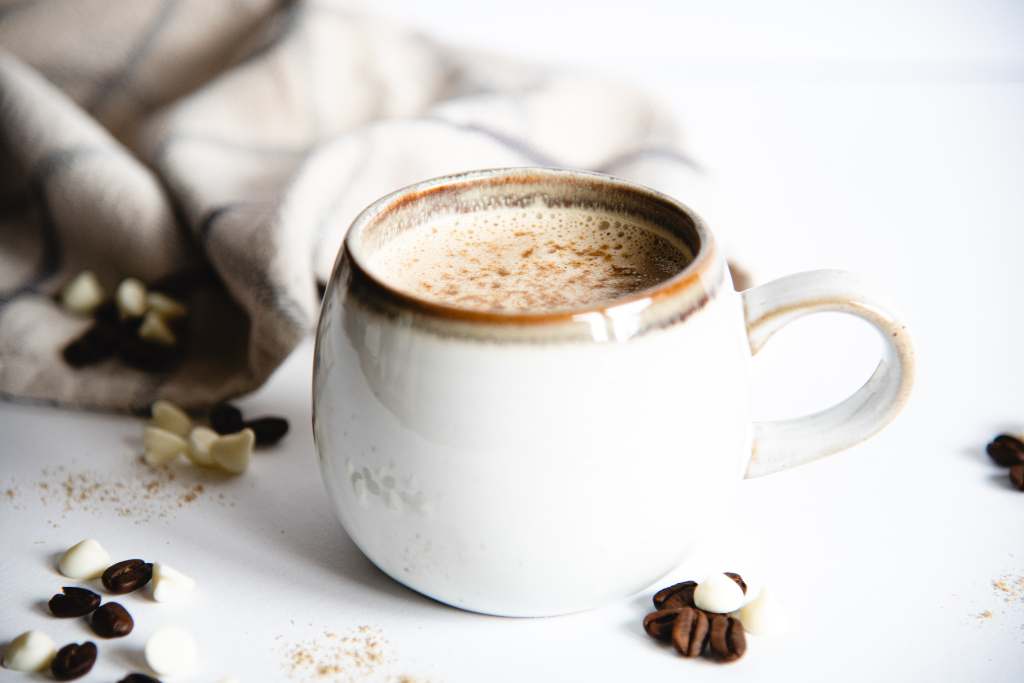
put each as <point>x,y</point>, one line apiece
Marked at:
<point>138,492</point>
<point>1010,588</point>
<point>338,657</point>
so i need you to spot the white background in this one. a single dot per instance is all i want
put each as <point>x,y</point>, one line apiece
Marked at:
<point>881,137</point>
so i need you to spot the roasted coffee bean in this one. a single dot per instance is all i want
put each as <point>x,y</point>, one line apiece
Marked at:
<point>74,602</point>
<point>226,419</point>
<point>659,624</point>
<point>147,356</point>
<point>107,313</point>
<point>1017,476</point>
<point>111,620</point>
<point>1006,450</point>
<point>726,639</point>
<point>690,631</point>
<point>128,575</point>
<point>675,596</point>
<point>74,661</point>
<point>138,678</point>
<point>739,581</point>
<point>96,344</point>
<point>268,430</point>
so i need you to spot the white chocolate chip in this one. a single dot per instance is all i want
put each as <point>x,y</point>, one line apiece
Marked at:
<point>131,298</point>
<point>154,329</point>
<point>161,446</point>
<point>199,441</point>
<point>764,616</point>
<point>83,294</point>
<point>170,585</point>
<point>164,306</point>
<point>171,651</point>
<point>31,651</point>
<point>234,451</point>
<point>718,593</point>
<point>168,416</point>
<point>85,560</point>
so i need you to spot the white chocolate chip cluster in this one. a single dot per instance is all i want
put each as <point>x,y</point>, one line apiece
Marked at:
<point>88,560</point>
<point>171,433</point>
<point>169,651</point>
<point>139,327</point>
<point>84,294</point>
<point>710,618</point>
<point>760,614</point>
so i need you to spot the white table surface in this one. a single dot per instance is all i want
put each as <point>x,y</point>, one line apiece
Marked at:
<point>885,555</point>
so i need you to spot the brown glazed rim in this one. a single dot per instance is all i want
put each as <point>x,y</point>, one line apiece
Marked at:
<point>690,276</point>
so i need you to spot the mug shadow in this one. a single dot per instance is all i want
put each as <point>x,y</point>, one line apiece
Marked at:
<point>342,557</point>
<point>312,535</point>
<point>312,532</point>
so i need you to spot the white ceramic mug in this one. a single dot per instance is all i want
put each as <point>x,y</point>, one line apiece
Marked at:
<point>510,463</point>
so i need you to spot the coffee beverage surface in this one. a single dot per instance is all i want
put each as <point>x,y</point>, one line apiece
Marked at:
<point>518,260</point>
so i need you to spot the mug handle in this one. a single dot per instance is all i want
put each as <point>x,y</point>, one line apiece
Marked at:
<point>770,307</point>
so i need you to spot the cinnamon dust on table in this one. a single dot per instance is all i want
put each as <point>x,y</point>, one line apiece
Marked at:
<point>359,655</point>
<point>356,655</point>
<point>11,497</point>
<point>1009,588</point>
<point>141,493</point>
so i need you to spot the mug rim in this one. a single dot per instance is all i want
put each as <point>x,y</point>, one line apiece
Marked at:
<point>690,276</point>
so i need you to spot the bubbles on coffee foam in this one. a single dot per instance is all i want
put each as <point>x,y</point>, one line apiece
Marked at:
<point>512,260</point>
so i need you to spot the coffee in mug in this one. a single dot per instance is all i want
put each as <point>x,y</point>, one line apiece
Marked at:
<point>514,260</point>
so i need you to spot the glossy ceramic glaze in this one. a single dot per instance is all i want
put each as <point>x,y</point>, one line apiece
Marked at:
<point>515,464</point>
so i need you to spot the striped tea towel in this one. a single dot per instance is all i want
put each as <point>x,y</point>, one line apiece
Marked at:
<point>229,144</point>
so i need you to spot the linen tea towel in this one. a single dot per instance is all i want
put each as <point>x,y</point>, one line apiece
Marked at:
<point>229,144</point>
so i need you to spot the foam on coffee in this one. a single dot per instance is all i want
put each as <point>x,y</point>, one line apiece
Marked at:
<point>519,260</point>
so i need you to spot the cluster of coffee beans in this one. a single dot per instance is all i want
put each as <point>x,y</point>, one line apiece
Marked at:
<point>227,443</point>
<point>694,631</point>
<point>140,326</point>
<point>167,651</point>
<point>267,431</point>
<point>1007,450</point>
<point>711,618</point>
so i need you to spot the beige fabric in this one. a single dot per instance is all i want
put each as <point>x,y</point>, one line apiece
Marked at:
<point>240,137</point>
